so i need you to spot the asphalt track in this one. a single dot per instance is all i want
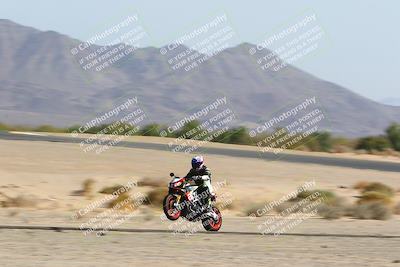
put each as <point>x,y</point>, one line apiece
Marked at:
<point>131,230</point>
<point>268,156</point>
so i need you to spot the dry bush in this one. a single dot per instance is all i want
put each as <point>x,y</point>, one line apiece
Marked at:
<point>251,209</point>
<point>261,207</point>
<point>373,210</point>
<point>361,185</point>
<point>156,196</point>
<point>287,206</point>
<point>331,206</point>
<point>111,189</point>
<point>379,187</point>
<point>341,149</point>
<point>374,196</point>
<point>335,209</point>
<point>122,202</point>
<point>397,209</point>
<point>331,212</point>
<point>327,196</point>
<point>152,182</point>
<point>88,188</point>
<point>20,201</point>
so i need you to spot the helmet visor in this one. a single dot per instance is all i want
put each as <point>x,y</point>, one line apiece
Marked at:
<point>196,165</point>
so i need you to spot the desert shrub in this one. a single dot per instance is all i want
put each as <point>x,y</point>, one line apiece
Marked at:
<point>331,211</point>
<point>88,188</point>
<point>151,182</point>
<point>397,209</point>
<point>331,207</point>
<point>20,201</point>
<point>156,196</point>
<point>4,127</point>
<point>48,128</point>
<point>361,185</point>
<point>73,128</point>
<point>111,189</point>
<point>287,207</point>
<point>370,143</point>
<point>189,129</point>
<point>151,130</point>
<point>238,136</point>
<point>342,144</point>
<point>251,209</point>
<point>119,127</point>
<point>327,196</point>
<point>320,142</point>
<point>393,134</point>
<point>335,208</point>
<point>373,210</point>
<point>373,196</point>
<point>379,187</point>
<point>122,202</point>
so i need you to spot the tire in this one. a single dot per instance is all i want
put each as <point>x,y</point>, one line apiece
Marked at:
<point>210,225</point>
<point>168,207</point>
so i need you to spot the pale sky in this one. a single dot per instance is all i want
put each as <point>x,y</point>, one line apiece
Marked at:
<point>364,46</point>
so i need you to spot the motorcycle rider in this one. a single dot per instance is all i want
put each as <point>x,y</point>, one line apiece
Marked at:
<point>201,175</point>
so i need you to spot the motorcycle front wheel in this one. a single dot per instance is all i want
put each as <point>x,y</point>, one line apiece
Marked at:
<point>210,224</point>
<point>169,205</point>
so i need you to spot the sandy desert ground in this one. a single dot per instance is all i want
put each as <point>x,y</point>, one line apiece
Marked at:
<point>49,172</point>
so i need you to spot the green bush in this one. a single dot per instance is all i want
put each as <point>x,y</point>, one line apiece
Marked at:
<point>151,130</point>
<point>4,127</point>
<point>320,142</point>
<point>73,128</point>
<point>189,130</point>
<point>239,136</point>
<point>370,143</point>
<point>393,134</point>
<point>48,129</point>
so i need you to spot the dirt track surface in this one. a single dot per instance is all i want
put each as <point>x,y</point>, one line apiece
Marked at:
<point>309,244</point>
<point>48,173</point>
<point>38,248</point>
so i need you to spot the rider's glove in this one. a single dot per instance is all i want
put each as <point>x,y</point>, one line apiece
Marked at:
<point>196,178</point>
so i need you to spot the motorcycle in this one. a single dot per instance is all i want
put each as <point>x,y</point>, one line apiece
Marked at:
<point>185,200</point>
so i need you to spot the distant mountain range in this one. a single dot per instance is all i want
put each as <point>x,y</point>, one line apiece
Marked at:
<point>42,83</point>
<point>392,101</point>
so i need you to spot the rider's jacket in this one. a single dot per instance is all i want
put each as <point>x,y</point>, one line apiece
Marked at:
<point>200,172</point>
<point>202,178</point>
